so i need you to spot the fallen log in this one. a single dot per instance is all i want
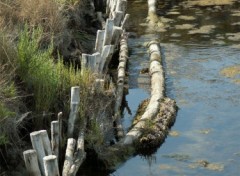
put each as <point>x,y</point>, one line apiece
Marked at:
<point>123,57</point>
<point>157,93</point>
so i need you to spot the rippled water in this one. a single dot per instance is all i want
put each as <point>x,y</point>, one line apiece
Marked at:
<point>198,42</point>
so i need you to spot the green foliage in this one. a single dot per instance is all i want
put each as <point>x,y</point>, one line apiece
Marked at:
<point>3,139</point>
<point>36,68</point>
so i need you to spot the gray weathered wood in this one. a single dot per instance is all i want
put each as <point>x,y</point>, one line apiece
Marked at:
<point>101,20</point>
<point>46,142</point>
<point>37,143</point>
<point>117,32</point>
<point>31,163</point>
<point>125,21</point>
<point>51,165</point>
<point>97,57</point>
<point>99,40</point>
<point>157,93</point>
<point>60,120</point>
<point>71,143</point>
<point>55,138</point>
<point>117,17</point>
<point>108,32</point>
<point>106,56</point>
<point>121,5</point>
<point>75,100</point>
<point>123,56</point>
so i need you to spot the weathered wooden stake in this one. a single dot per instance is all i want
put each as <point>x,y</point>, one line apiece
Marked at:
<point>125,20</point>
<point>46,142</point>
<point>60,119</point>
<point>71,143</point>
<point>55,138</point>
<point>108,32</point>
<point>99,40</point>
<point>31,163</point>
<point>37,143</point>
<point>117,32</point>
<point>117,16</point>
<point>101,20</point>
<point>106,56</point>
<point>75,100</point>
<point>51,165</point>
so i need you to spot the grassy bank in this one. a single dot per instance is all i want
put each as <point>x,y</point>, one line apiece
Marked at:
<point>38,57</point>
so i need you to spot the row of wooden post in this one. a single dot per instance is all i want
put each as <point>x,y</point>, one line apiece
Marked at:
<point>108,37</point>
<point>43,159</point>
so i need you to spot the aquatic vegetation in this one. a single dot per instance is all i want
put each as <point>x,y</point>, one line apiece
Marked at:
<point>185,26</point>
<point>207,165</point>
<point>188,18</point>
<point>203,29</point>
<point>210,2</point>
<point>231,72</point>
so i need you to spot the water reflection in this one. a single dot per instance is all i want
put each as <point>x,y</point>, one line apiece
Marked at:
<point>201,49</point>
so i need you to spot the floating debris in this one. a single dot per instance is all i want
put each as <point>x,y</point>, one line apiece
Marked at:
<point>185,26</point>
<point>203,30</point>
<point>174,133</point>
<point>178,157</point>
<point>187,18</point>
<point>231,72</point>
<point>207,165</point>
<point>210,2</point>
<point>205,131</point>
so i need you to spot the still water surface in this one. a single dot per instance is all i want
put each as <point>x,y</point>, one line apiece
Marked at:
<point>198,43</point>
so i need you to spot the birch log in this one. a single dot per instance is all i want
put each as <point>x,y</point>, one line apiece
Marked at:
<point>55,138</point>
<point>75,100</point>
<point>152,11</point>
<point>157,93</point>
<point>71,143</point>
<point>51,165</point>
<point>120,84</point>
<point>31,163</point>
<point>37,144</point>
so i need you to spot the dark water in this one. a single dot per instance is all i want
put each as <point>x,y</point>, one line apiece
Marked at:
<point>197,44</point>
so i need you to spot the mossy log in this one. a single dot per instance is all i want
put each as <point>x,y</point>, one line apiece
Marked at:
<point>153,120</point>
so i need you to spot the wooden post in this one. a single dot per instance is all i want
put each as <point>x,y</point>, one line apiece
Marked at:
<point>46,142</point>
<point>31,163</point>
<point>125,20</point>
<point>117,17</point>
<point>84,62</point>
<point>117,32</point>
<point>108,32</point>
<point>106,57</point>
<point>37,144</point>
<point>60,119</point>
<point>152,6</point>
<point>55,138</point>
<point>97,58</point>
<point>121,5</point>
<point>75,100</point>
<point>80,154</point>
<point>51,165</point>
<point>101,20</point>
<point>99,40</point>
<point>71,143</point>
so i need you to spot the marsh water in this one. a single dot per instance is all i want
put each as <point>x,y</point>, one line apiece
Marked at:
<point>201,56</point>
